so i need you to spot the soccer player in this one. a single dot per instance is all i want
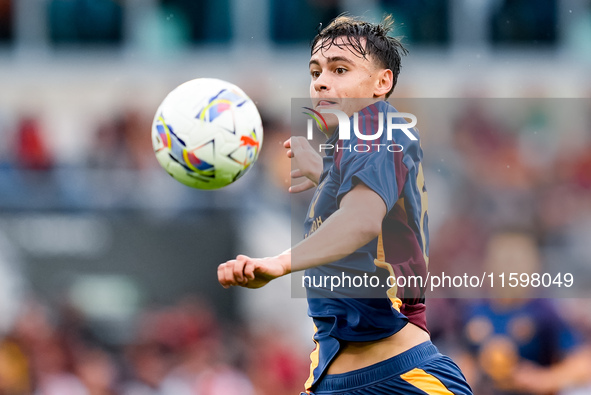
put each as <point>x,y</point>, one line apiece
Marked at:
<point>368,215</point>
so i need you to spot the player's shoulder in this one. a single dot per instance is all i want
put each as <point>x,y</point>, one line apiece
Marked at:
<point>381,130</point>
<point>377,108</point>
<point>399,125</point>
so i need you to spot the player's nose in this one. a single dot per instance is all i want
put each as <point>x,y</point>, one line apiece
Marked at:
<point>321,83</point>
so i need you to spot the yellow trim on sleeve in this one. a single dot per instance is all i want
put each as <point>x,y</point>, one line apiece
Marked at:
<point>380,261</point>
<point>424,208</point>
<point>314,358</point>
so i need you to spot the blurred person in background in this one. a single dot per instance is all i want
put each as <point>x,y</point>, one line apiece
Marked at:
<point>273,366</point>
<point>201,363</point>
<point>149,362</point>
<point>32,152</point>
<point>518,344</point>
<point>50,363</point>
<point>14,368</point>
<point>97,371</point>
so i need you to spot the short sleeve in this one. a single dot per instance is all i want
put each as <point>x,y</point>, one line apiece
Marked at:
<point>374,169</point>
<point>374,163</point>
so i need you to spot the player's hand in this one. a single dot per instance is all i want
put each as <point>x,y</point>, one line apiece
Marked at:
<point>253,272</point>
<point>308,163</point>
<point>531,378</point>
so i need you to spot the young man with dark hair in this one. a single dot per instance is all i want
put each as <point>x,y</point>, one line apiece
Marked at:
<point>372,207</point>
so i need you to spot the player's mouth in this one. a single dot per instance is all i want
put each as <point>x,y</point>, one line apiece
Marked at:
<point>326,103</point>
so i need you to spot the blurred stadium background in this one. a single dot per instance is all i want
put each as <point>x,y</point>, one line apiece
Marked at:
<point>108,267</point>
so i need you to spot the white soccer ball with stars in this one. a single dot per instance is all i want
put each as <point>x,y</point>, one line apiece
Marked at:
<point>207,133</point>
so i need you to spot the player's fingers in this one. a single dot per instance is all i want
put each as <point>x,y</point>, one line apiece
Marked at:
<point>229,274</point>
<point>238,269</point>
<point>287,143</point>
<point>222,274</point>
<point>304,186</point>
<point>242,259</point>
<point>308,184</point>
<point>298,143</point>
<point>221,278</point>
<point>249,269</point>
<point>290,154</point>
<point>297,173</point>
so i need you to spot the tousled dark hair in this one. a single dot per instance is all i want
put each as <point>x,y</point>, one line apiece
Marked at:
<point>387,51</point>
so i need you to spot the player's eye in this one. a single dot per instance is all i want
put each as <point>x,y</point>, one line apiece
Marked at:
<point>315,74</point>
<point>340,70</point>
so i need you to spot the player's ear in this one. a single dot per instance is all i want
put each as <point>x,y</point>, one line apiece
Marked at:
<point>384,81</point>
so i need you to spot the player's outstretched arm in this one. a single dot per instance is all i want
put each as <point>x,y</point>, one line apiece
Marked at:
<point>357,222</point>
<point>307,163</point>
<point>572,371</point>
<point>253,272</point>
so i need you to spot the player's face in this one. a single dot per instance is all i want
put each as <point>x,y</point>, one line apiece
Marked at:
<point>343,79</point>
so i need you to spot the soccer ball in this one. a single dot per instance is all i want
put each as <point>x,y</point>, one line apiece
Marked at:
<point>207,133</point>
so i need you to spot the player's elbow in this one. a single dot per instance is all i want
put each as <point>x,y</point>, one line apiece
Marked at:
<point>369,229</point>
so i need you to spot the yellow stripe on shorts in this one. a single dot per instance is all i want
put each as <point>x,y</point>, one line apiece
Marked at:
<point>425,382</point>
